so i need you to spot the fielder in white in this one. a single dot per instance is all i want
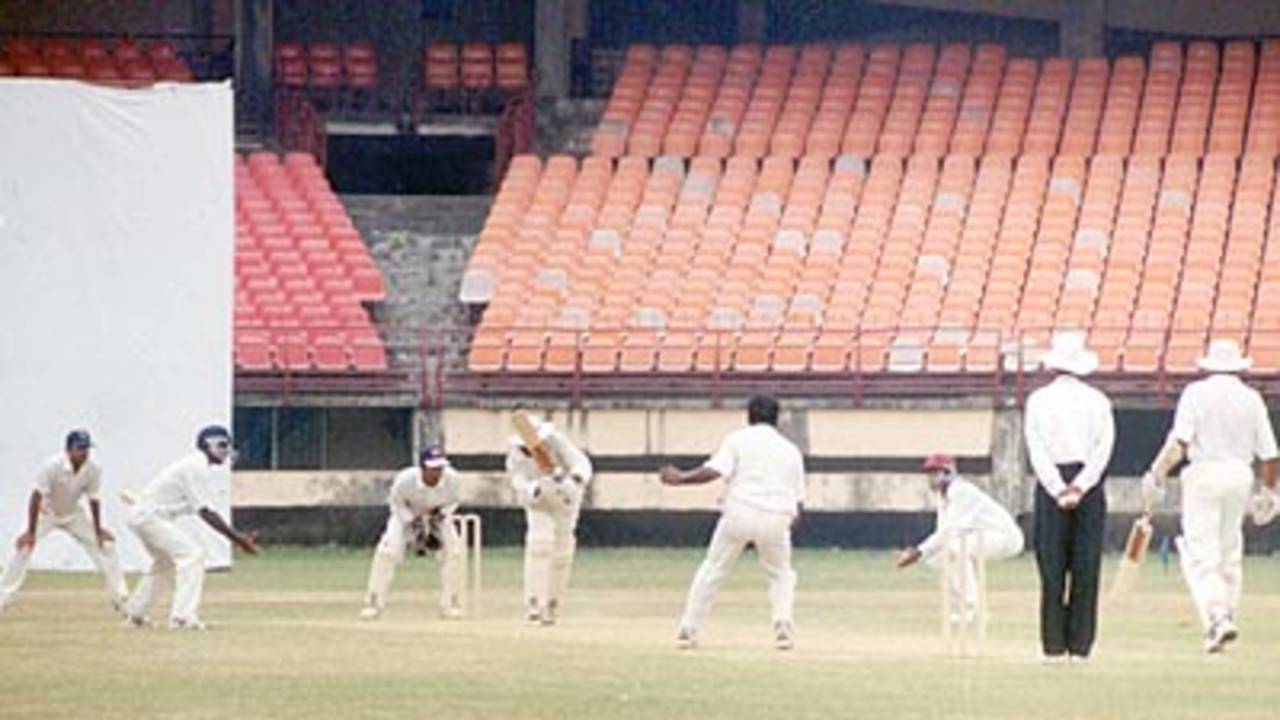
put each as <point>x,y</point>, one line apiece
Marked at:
<point>422,502</point>
<point>1220,426</point>
<point>551,505</point>
<point>766,490</point>
<point>55,505</point>
<point>177,559</point>
<point>963,508</point>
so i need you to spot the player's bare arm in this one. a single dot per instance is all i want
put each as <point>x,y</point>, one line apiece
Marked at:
<point>27,540</point>
<point>245,541</point>
<point>95,511</point>
<point>671,475</point>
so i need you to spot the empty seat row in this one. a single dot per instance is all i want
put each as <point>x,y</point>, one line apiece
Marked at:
<point>121,62</point>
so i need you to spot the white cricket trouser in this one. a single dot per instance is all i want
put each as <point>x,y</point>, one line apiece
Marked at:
<point>1215,496</point>
<point>741,525</point>
<point>390,553</point>
<point>79,526</point>
<point>177,562</point>
<point>984,545</point>
<point>549,543</point>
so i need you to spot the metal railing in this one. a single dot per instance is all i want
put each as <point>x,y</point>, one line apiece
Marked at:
<point>427,366</point>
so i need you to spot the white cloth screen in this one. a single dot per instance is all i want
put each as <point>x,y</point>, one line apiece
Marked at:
<point>116,287</point>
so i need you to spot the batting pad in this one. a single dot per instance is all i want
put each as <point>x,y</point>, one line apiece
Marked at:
<point>116,289</point>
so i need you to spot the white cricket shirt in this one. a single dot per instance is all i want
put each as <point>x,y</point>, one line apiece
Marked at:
<point>1069,421</point>
<point>966,507</point>
<point>524,472</point>
<point>1223,420</point>
<point>411,499</point>
<point>180,489</point>
<point>763,468</point>
<point>61,487</point>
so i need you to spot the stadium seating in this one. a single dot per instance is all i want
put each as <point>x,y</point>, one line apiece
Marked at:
<point>465,76</point>
<point>302,272</point>
<point>335,74</point>
<point>119,62</point>
<point>894,208</point>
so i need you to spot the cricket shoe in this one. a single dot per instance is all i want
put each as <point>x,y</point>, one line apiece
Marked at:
<point>686,639</point>
<point>139,622</point>
<point>549,613</point>
<point>784,635</point>
<point>371,612</point>
<point>187,624</point>
<point>452,612</point>
<point>1060,659</point>
<point>532,613</point>
<point>1221,632</point>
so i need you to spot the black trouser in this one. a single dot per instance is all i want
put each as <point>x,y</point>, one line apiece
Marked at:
<point>1069,544</point>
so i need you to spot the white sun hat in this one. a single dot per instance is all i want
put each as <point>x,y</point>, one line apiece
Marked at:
<point>1224,356</point>
<point>1069,354</point>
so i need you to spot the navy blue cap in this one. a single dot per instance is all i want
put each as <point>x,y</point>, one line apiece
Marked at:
<point>432,457</point>
<point>212,432</point>
<point>78,439</point>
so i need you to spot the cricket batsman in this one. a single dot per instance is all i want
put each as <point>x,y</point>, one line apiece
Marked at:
<point>963,508</point>
<point>1220,426</point>
<point>766,490</point>
<point>62,481</point>
<point>422,501</point>
<point>177,559</point>
<point>552,502</point>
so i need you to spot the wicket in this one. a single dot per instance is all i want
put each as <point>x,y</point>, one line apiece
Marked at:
<point>469,530</point>
<point>964,629</point>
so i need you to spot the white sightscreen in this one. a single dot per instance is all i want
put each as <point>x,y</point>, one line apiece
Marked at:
<point>116,286</point>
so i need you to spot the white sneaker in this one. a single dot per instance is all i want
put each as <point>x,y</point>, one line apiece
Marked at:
<point>531,611</point>
<point>1078,659</point>
<point>784,636</point>
<point>1047,659</point>
<point>1221,632</point>
<point>452,612</point>
<point>686,639</point>
<point>187,624</point>
<point>370,612</point>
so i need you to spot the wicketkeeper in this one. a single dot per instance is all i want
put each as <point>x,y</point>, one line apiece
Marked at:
<point>552,503</point>
<point>422,501</point>
<point>963,509</point>
<point>1220,426</point>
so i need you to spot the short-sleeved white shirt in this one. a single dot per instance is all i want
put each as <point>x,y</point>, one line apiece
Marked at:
<point>410,498</point>
<point>762,467</point>
<point>180,489</point>
<point>61,487</point>
<point>1223,420</point>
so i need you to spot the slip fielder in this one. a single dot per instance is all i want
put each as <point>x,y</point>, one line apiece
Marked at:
<point>55,505</point>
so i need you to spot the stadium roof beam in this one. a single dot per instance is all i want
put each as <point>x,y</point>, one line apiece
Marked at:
<point>1224,18</point>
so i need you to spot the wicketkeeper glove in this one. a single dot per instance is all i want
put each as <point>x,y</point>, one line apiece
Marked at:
<point>1264,506</point>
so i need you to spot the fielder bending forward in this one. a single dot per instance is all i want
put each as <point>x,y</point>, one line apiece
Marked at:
<point>1220,426</point>
<point>422,501</point>
<point>765,476</point>
<point>963,508</point>
<point>177,559</point>
<point>55,505</point>
<point>551,505</point>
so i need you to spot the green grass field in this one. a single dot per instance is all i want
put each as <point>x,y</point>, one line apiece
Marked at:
<point>286,642</point>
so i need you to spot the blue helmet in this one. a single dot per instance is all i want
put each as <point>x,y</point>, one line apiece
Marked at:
<point>211,432</point>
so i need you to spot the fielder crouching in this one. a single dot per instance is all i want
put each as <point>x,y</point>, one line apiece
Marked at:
<point>963,508</point>
<point>177,559</point>
<point>552,503</point>
<point>422,501</point>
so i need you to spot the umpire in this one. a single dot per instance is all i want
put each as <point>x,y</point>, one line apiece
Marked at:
<point>1070,432</point>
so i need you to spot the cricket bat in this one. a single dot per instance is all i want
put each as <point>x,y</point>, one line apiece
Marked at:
<point>1135,551</point>
<point>529,436</point>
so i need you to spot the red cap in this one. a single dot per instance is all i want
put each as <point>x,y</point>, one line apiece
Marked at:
<point>939,461</point>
